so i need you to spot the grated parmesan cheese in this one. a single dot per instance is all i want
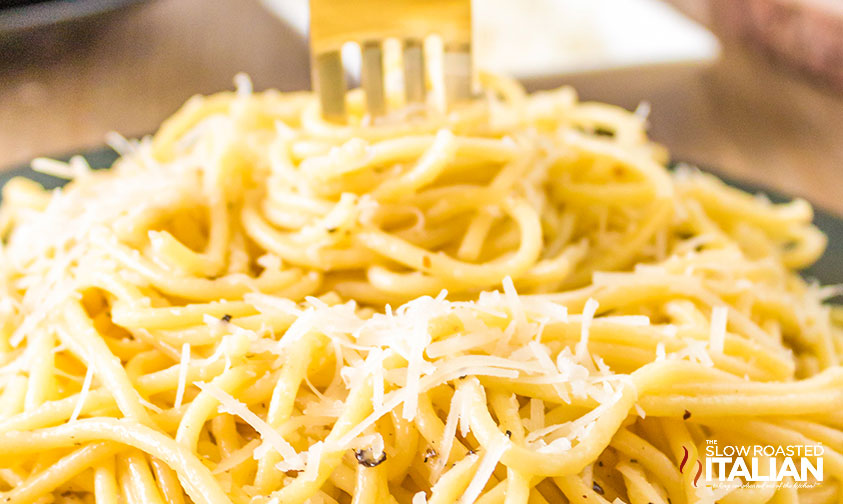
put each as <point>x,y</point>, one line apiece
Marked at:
<point>420,340</point>
<point>536,414</point>
<point>148,405</point>
<point>719,315</point>
<point>450,433</point>
<point>573,430</point>
<point>183,367</point>
<point>629,320</point>
<point>484,471</point>
<point>516,308</point>
<point>695,351</point>
<point>269,435</point>
<point>661,354</point>
<point>314,458</point>
<point>238,457</point>
<point>83,394</point>
<point>243,85</point>
<point>541,353</point>
<point>582,353</point>
<point>456,344</point>
<point>53,168</point>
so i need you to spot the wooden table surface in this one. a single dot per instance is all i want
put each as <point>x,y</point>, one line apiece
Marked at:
<point>745,116</point>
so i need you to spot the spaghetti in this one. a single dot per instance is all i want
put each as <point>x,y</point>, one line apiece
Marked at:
<point>515,302</point>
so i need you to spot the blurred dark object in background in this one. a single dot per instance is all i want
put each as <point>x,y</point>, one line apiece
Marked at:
<point>22,15</point>
<point>805,34</point>
<point>15,3</point>
<point>43,29</point>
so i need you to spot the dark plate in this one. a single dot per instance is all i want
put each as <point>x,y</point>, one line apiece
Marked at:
<point>17,17</point>
<point>828,270</point>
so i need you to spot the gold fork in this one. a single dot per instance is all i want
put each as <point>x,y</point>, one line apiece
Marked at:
<point>368,23</point>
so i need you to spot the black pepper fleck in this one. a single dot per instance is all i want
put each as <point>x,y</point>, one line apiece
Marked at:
<point>508,433</point>
<point>366,458</point>
<point>687,415</point>
<point>226,318</point>
<point>430,453</point>
<point>597,488</point>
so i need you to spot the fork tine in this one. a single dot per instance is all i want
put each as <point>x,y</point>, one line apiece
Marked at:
<point>414,76</point>
<point>372,77</point>
<point>329,82</point>
<point>369,23</point>
<point>457,69</point>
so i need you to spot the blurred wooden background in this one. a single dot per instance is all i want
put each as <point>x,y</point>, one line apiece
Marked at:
<point>747,116</point>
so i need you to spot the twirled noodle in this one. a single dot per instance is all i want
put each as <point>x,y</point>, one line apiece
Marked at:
<point>240,310</point>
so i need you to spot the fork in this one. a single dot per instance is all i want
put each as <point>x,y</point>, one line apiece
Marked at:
<point>368,23</point>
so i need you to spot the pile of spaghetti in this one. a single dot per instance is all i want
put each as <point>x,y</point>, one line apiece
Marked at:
<point>513,302</point>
